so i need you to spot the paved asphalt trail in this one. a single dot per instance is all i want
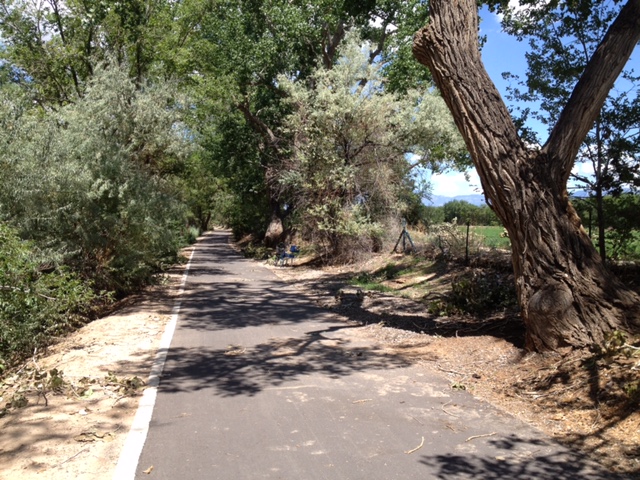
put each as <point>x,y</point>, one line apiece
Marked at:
<point>261,383</point>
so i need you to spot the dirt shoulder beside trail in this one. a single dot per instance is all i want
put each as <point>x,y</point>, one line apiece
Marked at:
<point>73,422</point>
<point>587,402</point>
<point>76,401</point>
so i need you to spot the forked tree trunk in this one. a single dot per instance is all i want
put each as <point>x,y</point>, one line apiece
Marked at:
<point>567,296</point>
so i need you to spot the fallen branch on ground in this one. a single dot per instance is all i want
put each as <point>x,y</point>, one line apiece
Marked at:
<point>408,452</point>
<point>480,436</point>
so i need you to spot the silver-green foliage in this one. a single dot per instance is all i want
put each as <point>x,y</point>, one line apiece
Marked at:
<point>83,182</point>
<point>352,146</point>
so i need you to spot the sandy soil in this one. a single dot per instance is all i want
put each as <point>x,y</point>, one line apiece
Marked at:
<point>71,407</point>
<point>77,416</point>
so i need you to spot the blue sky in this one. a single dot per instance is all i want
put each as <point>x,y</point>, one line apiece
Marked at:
<point>501,53</point>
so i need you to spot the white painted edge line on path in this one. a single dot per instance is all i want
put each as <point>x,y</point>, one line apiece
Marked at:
<point>130,455</point>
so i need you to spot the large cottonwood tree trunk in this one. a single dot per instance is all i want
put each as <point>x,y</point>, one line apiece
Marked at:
<point>567,296</point>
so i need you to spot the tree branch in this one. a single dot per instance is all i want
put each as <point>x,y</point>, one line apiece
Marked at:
<point>593,87</point>
<point>257,123</point>
<point>384,34</point>
<point>330,44</point>
<point>61,30</point>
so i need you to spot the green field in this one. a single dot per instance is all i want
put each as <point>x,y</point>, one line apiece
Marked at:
<point>492,236</point>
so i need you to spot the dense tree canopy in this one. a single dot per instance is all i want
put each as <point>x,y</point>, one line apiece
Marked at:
<point>125,123</point>
<point>239,50</point>
<point>129,126</point>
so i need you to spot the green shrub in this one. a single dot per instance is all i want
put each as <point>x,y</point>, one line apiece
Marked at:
<point>192,235</point>
<point>347,175</point>
<point>478,292</point>
<point>35,306</point>
<point>257,251</point>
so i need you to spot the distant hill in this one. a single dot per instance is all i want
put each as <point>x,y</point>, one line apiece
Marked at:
<point>579,194</point>
<point>478,199</point>
<point>440,200</point>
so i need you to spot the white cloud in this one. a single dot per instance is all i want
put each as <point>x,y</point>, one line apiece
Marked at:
<point>584,169</point>
<point>378,21</point>
<point>453,184</point>
<point>515,7</point>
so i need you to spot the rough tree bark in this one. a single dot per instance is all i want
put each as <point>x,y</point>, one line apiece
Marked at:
<point>566,294</point>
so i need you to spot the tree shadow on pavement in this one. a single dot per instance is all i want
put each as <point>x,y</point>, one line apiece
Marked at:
<point>235,305</point>
<point>247,371</point>
<point>530,463</point>
<point>235,293</point>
